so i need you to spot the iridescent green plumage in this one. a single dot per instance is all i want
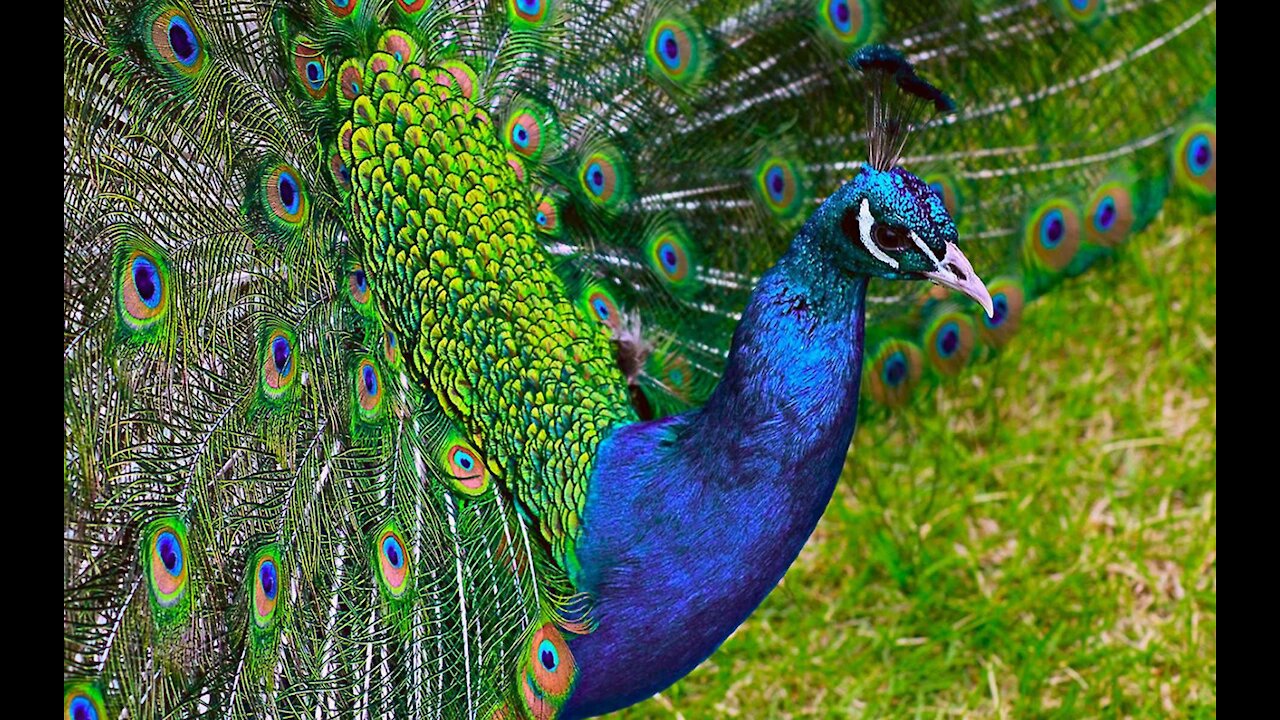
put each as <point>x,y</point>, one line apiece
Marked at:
<point>342,271</point>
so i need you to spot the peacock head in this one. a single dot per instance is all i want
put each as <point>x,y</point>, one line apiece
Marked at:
<point>891,224</point>
<point>886,222</point>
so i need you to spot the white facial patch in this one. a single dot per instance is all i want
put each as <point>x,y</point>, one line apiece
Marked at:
<point>865,222</point>
<point>920,244</point>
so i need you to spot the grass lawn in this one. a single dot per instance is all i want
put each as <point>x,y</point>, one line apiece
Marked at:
<point>1035,539</point>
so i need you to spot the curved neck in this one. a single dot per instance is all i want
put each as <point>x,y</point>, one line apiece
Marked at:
<point>691,520</point>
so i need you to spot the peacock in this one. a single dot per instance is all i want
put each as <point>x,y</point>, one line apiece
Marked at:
<point>495,358</point>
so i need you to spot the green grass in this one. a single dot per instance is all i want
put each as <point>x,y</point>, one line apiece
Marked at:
<point>1035,539</point>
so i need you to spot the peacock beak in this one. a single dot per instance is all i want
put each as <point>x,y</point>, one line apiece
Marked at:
<point>955,272</point>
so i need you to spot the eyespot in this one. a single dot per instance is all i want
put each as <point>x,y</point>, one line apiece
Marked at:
<point>412,6</point>
<point>550,672</point>
<point>83,702</point>
<point>284,196</point>
<point>1199,155</point>
<point>175,42</point>
<point>890,238</point>
<point>601,179</point>
<point>368,385</point>
<point>547,218</point>
<point>1082,12</point>
<point>674,372</point>
<point>1111,215</point>
<point>311,67</point>
<point>778,187</point>
<point>279,368</point>
<point>669,256</point>
<point>358,284</point>
<point>946,188</point>
<point>528,14</point>
<point>142,290</point>
<point>266,588</point>
<point>950,342</point>
<point>343,8</point>
<point>340,172</point>
<point>463,464</point>
<point>1053,234</point>
<point>893,371</point>
<point>167,566</point>
<point>524,134</point>
<point>1006,300</point>
<point>393,562</point>
<point>1195,160</point>
<point>675,50</point>
<point>600,305</point>
<point>390,348</point>
<point>848,22</point>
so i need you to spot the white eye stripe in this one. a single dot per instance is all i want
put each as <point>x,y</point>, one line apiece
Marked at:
<point>865,222</point>
<point>920,244</point>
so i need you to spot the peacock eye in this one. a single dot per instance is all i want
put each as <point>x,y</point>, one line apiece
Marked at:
<point>890,238</point>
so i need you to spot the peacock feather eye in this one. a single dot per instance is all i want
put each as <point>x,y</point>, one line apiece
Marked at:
<point>676,50</point>
<point>1195,159</point>
<point>1111,214</point>
<point>849,22</point>
<point>358,284</point>
<point>778,186</point>
<point>462,464</point>
<point>949,341</point>
<point>548,673</point>
<point>392,561</point>
<point>266,580</point>
<point>343,8</point>
<point>1082,12</point>
<point>894,371</point>
<point>368,386</point>
<point>524,134</point>
<point>83,702</point>
<point>529,130</point>
<point>166,562</point>
<point>411,7</point>
<point>390,348</point>
<point>528,14</point>
<point>279,366</point>
<point>351,79</point>
<point>284,196</point>
<point>1006,300</point>
<point>674,372</point>
<point>1052,234</point>
<point>946,188</point>
<point>142,290</point>
<point>547,217</point>
<point>311,68</point>
<point>668,252</point>
<point>598,303</point>
<point>175,42</point>
<point>603,179</point>
<point>341,173</point>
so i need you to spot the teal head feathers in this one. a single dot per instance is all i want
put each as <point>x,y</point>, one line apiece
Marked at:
<point>886,222</point>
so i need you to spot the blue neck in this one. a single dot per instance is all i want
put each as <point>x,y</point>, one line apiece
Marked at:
<point>691,520</point>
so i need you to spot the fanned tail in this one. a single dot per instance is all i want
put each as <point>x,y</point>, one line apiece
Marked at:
<point>266,515</point>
